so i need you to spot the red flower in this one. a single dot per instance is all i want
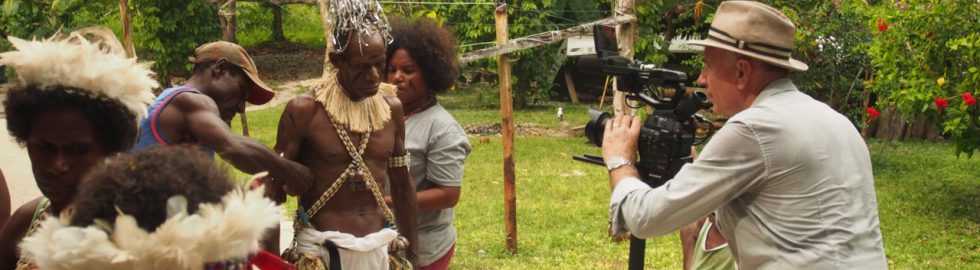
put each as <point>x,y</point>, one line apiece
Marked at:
<point>969,99</point>
<point>882,25</point>
<point>941,103</point>
<point>872,114</point>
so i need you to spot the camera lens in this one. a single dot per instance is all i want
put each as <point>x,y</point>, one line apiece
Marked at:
<point>596,126</point>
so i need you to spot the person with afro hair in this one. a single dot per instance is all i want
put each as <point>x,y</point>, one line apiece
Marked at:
<point>77,102</point>
<point>422,62</point>
<point>4,200</point>
<point>160,208</point>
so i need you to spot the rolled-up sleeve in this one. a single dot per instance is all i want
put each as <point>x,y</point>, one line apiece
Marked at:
<point>732,163</point>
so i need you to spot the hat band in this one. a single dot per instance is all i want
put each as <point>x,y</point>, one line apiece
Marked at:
<point>756,47</point>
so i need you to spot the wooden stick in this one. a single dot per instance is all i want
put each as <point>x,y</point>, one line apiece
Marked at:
<point>570,84</point>
<point>507,129</point>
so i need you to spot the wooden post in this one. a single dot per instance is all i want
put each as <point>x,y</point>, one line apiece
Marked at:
<point>570,84</point>
<point>507,128</point>
<point>624,37</point>
<point>127,30</point>
<point>327,30</point>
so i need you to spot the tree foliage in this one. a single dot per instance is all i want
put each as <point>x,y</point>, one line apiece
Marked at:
<point>926,55</point>
<point>167,31</point>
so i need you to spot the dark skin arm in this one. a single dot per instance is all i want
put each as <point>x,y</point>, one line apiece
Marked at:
<point>689,237</point>
<point>689,234</point>
<point>402,188</point>
<point>4,200</point>
<point>293,125</point>
<point>203,122</point>
<point>435,198</point>
<point>13,232</point>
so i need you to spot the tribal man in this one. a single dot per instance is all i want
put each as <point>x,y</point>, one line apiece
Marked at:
<point>349,132</point>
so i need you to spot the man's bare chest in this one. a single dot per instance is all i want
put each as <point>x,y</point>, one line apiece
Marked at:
<point>325,144</point>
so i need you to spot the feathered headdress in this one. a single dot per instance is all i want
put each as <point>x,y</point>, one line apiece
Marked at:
<point>96,67</point>
<point>218,232</point>
<point>357,16</point>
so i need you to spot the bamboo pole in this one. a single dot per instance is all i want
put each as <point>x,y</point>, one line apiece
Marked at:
<point>539,39</point>
<point>127,30</point>
<point>507,128</point>
<point>625,34</point>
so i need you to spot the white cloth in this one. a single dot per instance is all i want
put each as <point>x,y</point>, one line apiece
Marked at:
<point>791,179</point>
<point>368,252</point>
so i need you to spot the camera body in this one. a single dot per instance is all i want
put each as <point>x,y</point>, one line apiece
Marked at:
<point>667,135</point>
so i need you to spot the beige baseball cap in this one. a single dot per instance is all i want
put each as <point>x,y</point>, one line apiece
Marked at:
<point>231,52</point>
<point>756,30</point>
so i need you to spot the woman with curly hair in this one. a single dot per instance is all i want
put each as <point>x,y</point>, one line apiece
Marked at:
<point>422,62</point>
<point>77,103</point>
<point>159,208</point>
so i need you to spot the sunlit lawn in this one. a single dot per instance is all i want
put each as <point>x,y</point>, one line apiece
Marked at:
<point>929,201</point>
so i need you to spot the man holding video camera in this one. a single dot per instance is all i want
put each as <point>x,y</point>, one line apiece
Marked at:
<point>788,177</point>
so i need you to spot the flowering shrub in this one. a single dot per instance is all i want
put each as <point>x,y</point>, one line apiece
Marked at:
<point>926,55</point>
<point>872,114</point>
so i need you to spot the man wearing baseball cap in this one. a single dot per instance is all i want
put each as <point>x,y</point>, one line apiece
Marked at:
<point>788,178</point>
<point>199,113</point>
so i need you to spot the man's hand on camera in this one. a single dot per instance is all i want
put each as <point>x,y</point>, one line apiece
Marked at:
<point>619,140</point>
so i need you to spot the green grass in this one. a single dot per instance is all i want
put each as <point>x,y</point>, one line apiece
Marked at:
<point>300,24</point>
<point>479,104</point>
<point>929,204</point>
<point>929,201</point>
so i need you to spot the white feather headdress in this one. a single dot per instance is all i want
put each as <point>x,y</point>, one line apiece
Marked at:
<point>76,62</point>
<point>217,232</point>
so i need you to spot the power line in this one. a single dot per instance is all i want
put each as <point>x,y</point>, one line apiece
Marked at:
<point>437,3</point>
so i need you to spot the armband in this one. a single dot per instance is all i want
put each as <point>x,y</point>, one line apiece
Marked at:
<point>399,161</point>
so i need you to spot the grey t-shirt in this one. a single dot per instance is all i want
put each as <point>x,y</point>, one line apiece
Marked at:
<point>438,146</point>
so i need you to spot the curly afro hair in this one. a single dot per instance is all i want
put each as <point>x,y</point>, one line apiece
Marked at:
<point>116,125</point>
<point>139,184</point>
<point>432,47</point>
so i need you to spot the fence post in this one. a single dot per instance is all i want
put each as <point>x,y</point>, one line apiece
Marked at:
<point>507,128</point>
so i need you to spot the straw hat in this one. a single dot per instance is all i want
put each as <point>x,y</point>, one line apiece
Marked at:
<point>755,30</point>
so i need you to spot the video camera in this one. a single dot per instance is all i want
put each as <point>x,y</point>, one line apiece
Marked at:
<point>667,135</point>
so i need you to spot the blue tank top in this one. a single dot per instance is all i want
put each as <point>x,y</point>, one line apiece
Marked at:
<point>150,134</point>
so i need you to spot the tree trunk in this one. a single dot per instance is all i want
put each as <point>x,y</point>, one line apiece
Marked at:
<point>277,33</point>
<point>226,13</point>
<point>127,30</point>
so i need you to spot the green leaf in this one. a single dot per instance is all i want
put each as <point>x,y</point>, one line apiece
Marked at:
<point>10,7</point>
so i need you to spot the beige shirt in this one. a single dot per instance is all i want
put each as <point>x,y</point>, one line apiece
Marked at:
<point>791,180</point>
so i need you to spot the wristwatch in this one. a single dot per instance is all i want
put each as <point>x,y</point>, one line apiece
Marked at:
<point>616,162</point>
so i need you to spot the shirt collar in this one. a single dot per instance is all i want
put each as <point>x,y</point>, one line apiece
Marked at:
<point>775,87</point>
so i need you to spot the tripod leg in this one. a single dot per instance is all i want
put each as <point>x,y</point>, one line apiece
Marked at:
<point>637,253</point>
